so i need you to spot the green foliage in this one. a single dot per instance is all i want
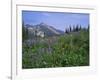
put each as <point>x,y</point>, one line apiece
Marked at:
<point>68,50</point>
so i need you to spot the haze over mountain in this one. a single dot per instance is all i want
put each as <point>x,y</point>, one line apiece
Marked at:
<point>47,29</point>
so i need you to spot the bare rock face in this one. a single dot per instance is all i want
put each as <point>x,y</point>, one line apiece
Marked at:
<point>43,30</point>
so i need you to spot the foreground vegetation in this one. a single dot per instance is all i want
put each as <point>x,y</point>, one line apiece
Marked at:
<point>67,50</point>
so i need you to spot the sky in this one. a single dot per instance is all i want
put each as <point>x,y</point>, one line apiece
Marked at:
<point>59,20</point>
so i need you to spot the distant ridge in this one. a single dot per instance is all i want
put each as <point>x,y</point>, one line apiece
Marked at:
<point>47,29</point>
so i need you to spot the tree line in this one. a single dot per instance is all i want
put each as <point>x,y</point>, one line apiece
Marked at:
<point>75,28</point>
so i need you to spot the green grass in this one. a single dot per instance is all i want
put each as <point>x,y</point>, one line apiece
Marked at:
<point>66,51</point>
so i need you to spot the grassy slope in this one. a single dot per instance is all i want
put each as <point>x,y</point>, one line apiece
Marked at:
<point>64,51</point>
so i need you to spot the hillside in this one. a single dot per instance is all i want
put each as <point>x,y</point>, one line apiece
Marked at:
<point>58,51</point>
<point>43,27</point>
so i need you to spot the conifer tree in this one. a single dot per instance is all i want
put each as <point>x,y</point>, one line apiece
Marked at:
<point>88,27</point>
<point>80,27</point>
<point>24,32</point>
<point>70,29</point>
<point>77,28</point>
<point>66,31</point>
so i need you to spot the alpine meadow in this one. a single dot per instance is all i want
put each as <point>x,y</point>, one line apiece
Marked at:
<point>54,39</point>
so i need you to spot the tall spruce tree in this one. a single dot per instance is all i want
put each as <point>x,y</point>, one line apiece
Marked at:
<point>70,29</point>
<point>80,27</point>
<point>66,30</point>
<point>24,32</point>
<point>77,28</point>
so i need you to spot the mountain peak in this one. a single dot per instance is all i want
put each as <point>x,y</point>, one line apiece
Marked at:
<point>49,30</point>
<point>42,23</point>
